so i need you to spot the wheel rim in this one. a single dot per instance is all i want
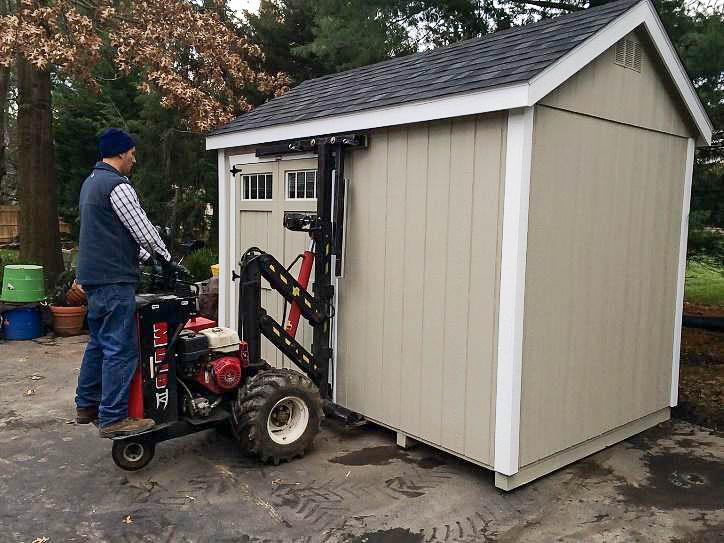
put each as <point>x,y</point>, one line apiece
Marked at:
<point>133,452</point>
<point>287,420</point>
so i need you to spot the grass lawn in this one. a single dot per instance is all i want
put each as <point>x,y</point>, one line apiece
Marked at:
<point>704,284</point>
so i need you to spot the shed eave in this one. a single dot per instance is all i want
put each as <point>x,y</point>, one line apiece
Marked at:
<point>497,99</point>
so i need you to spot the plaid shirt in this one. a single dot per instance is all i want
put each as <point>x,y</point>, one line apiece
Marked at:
<point>126,205</point>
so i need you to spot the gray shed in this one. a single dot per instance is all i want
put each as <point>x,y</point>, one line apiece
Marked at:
<point>515,239</point>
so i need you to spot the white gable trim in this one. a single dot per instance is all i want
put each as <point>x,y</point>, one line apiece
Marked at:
<point>642,13</point>
<point>500,98</point>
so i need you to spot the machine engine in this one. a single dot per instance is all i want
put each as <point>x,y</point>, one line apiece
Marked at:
<point>213,358</point>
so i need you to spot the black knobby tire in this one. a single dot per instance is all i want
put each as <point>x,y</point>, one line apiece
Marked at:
<point>258,405</point>
<point>132,455</point>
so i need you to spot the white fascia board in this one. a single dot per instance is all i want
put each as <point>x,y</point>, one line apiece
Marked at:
<point>683,237</point>
<point>642,13</point>
<point>512,289</point>
<point>224,260</point>
<point>497,99</point>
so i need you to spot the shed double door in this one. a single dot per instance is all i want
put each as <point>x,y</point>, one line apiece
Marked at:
<point>265,191</point>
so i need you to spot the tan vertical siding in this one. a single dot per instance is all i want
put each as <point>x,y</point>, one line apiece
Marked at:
<point>418,300</point>
<point>605,211</point>
<point>609,91</point>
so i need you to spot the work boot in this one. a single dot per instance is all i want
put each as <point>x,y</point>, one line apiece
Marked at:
<point>126,427</point>
<point>86,415</point>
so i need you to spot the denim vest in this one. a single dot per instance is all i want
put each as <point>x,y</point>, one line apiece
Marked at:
<point>107,253</point>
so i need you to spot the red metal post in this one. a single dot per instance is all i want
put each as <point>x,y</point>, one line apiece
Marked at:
<point>135,396</point>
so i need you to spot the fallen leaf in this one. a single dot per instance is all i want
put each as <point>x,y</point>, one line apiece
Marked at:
<point>128,520</point>
<point>30,392</point>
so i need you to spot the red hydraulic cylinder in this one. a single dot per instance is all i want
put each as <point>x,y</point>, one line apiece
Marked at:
<point>304,272</point>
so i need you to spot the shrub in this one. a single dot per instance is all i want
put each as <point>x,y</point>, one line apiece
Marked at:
<point>7,258</point>
<point>199,264</point>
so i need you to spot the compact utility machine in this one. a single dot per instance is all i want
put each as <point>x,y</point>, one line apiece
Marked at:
<point>193,375</point>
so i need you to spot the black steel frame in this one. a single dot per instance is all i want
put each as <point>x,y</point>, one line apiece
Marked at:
<point>326,229</point>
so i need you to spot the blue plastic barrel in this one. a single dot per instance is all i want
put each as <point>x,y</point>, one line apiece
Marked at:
<point>22,323</point>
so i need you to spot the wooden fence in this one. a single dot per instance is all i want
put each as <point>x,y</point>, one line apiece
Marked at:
<point>9,220</point>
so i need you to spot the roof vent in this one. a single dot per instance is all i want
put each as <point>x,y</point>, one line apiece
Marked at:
<point>628,54</point>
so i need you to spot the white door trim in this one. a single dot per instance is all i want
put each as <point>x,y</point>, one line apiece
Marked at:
<point>683,237</point>
<point>224,259</point>
<point>512,289</point>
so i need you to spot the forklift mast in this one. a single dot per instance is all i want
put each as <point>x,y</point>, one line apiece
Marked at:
<point>326,230</point>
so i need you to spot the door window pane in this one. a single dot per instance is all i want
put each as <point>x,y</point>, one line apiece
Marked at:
<point>257,186</point>
<point>302,185</point>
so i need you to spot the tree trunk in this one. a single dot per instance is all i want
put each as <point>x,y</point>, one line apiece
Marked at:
<point>37,186</point>
<point>4,88</point>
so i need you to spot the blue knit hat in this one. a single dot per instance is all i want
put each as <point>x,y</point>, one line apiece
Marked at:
<point>114,141</point>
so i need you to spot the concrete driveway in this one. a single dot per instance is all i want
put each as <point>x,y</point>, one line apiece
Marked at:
<point>59,484</point>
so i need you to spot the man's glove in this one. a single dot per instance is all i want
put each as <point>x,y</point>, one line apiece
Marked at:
<point>173,271</point>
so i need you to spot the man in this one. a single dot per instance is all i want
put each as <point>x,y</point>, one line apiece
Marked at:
<point>114,234</point>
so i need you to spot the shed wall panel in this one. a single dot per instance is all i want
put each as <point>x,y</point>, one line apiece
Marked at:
<point>604,223</point>
<point>417,310</point>
<point>607,90</point>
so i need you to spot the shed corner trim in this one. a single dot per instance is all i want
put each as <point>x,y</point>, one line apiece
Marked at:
<point>679,307</point>
<point>512,289</point>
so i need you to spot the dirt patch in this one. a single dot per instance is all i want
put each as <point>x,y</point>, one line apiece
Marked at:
<point>701,376</point>
<point>702,346</point>
<point>383,456</point>
<point>679,481</point>
<point>703,310</point>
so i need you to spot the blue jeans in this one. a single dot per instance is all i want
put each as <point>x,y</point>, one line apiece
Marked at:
<point>111,356</point>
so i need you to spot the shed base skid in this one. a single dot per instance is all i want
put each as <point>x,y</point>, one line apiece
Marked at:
<point>405,442</point>
<point>547,465</point>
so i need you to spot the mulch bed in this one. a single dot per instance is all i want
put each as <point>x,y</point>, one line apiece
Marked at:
<point>701,378</point>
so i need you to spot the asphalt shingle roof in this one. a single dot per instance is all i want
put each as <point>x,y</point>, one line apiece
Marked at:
<point>506,57</point>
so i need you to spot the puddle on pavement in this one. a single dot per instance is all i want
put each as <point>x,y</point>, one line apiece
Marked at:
<point>383,455</point>
<point>396,535</point>
<point>679,481</point>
